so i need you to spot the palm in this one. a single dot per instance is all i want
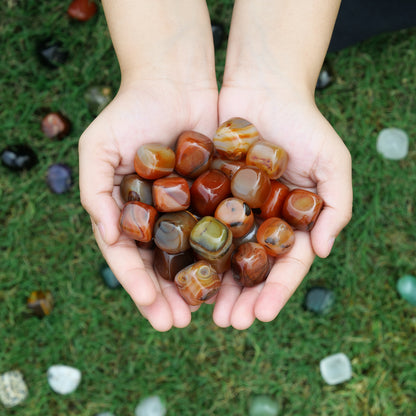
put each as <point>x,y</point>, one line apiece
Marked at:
<point>318,161</point>
<point>143,114</point>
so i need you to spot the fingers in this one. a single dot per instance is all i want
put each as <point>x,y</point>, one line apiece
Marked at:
<point>284,278</point>
<point>96,183</point>
<point>335,187</point>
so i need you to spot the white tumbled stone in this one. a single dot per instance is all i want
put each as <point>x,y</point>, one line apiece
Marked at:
<point>150,406</point>
<point>13,389</point>
<point>63,379</point>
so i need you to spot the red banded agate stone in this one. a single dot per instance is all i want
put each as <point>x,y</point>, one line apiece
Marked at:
<point>273,205</point>
<point>137,220</point>
<point>171,194</point>
<point>276,236</point>
<point>251,185</point>
<point>268,157</point>
<point>193,154</point>
<point>208,190</point>
<point>301,208</point>
<point>234,137</point>
<point>154,161</point>
<point>198,282</point>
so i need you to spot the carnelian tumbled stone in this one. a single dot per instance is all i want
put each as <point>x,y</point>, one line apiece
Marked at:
<point>251,185</point>
<point>276,235</point>
<point>198,282</point>
<point>301,209</point>
<point>208,190</point>
<point>268,157</point>
<point>229,167</point>
<point>172,231</point>
<point>137,220</point>
<point>134,188</point>
<point>171,194</point>
<point>234,137</point>
<point>40,303</point>
<point>272,207</point>
<point>154,161</point>
<point>168,265</point>
<point>250,264</point>
<point>193,154</point>
<point>236,215</point>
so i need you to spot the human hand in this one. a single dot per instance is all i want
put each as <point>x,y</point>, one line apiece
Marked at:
<point>318,161</point>
<point>142,112</point>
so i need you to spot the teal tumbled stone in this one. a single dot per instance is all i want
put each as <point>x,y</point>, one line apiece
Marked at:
<point>319,300</point>
<point>406,286</point>
<point>109,278</point>
<point>263,406</point>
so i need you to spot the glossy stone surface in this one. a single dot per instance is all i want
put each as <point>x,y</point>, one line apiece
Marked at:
<point>97,98</point>
<point>193,154</point>
<point>52,53</point>
<point>208,190</point>
<point>13,389</point>
<point>59,178</point>
<point>40,303</point>
<point>154,161</point>
<point>63,379</point>
<point>406,286</point>
<point>276,236</point>
<point>251,185</point>
<point>168,265</point>
<point>393,143</point>
<point>172,231</point>
<point>251,235</point>
<point>171,194</point>
<point>137,220</point>
<point>234,137</point>
<point>55,125</point>
<point>150,406</point>
<point>273,205</point>
<point>250,264</point>
<point>135,188</point>
<point>109,278</point>
<point>211,240</point>
<point>335,369</point>
<point>82,10</point>
<point>269,157</point>
<point>198,282</point>
<point>301,209</point>
<point>236,215</point>
<point>263,406</point>
<point>18,157</point>
<point>326,76</point>
<point>319,300</point>
<point>229,167</point>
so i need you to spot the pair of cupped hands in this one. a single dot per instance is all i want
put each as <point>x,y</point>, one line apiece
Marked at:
<point>158,110</point>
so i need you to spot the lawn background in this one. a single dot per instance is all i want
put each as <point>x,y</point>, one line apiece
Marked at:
<point>46,243</point>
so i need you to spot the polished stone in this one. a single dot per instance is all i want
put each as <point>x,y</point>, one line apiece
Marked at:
<point>63,379</point>
<point>82,10</point>
<point>406,286</point>
<point>18,157</point>
<point>319,300</point>
<point>393,143</point>
<point>263,406</point>
<point>13,389</point>
<point>52,53</point>
<point>97,98</point>
<point>335,369</point>
<point>109,277</point>
<point>150,406</point>
<point>59,178</point>
<point>40,303</point>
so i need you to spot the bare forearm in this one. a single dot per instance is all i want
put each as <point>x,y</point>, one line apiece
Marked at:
<point>161,38</point>
<point>288,38</point>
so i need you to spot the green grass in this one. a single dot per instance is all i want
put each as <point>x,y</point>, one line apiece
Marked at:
<point>46,243</point>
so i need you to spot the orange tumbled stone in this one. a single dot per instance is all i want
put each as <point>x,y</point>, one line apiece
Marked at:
<point>171,194</point>
<point>301,209</point>
<point>272,207</point>
<point>154,161</point>
<point>276,235</point>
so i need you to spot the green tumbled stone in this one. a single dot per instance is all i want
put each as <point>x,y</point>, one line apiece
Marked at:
<point>210,234</point>
<point>406,286</point>
<point>319,300</point>
<point>109,278</point>
<point>97,98</point>
<point>263,406</point>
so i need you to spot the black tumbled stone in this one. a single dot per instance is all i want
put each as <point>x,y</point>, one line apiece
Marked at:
<point>218,34</point>
<point>52,53</point>
<point>18,157</point>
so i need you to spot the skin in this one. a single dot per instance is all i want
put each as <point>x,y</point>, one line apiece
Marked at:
<point>168,85</point>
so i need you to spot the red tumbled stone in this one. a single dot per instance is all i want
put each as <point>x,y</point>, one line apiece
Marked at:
<point>171,194</point>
